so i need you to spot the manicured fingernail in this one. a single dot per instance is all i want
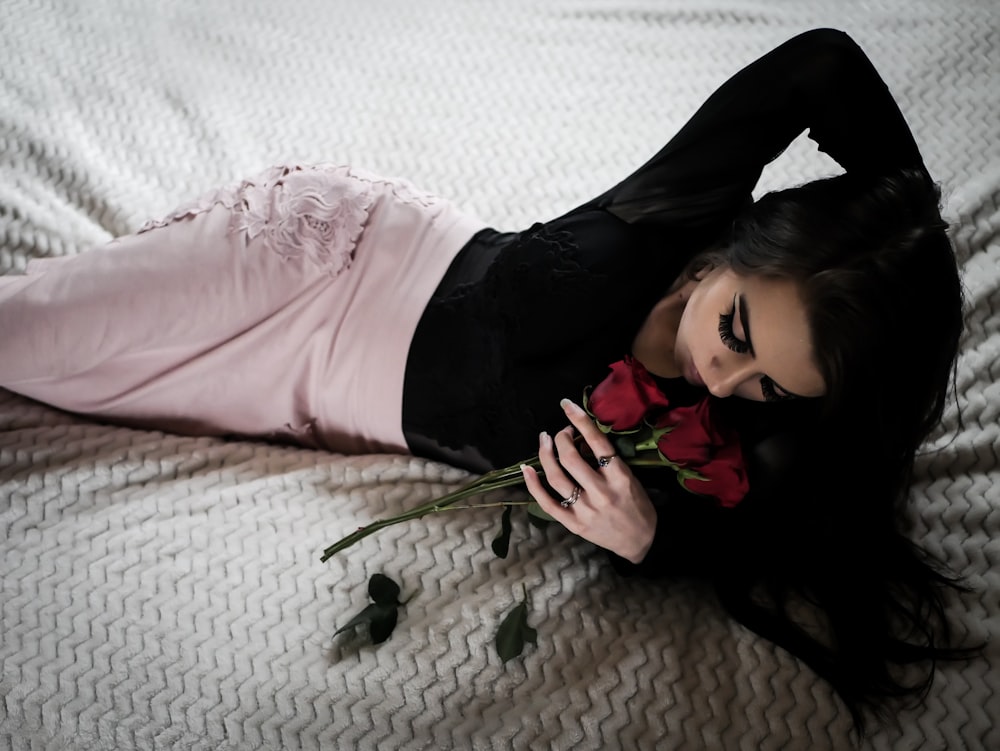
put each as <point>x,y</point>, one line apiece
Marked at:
<point>567,405</point>
<point>544,439</point>
<point>523,468</point>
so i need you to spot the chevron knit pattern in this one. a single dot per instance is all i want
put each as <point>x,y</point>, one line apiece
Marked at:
<point>164,592</point>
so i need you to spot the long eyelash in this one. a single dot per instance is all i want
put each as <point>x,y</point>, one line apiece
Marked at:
<point>727,335</point>
<point>770,395</point>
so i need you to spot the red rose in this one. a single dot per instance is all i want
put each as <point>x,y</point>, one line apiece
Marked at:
<point>690,441</point>
<point>725,474</point>
<point>699,443</point>
<point>626,396</point>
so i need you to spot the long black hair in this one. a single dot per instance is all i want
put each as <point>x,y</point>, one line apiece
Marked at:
<point>880,283</point>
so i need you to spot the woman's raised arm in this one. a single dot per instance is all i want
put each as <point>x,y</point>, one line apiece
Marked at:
<point>820,80</point>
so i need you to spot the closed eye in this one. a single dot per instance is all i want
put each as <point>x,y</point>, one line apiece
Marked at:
<point>726,333</point>
<point>770,391</point>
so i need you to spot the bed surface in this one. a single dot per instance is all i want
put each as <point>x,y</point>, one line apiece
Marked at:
<point>166,592</point>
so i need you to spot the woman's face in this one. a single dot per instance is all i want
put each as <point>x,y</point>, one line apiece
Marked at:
<point>747,336</point>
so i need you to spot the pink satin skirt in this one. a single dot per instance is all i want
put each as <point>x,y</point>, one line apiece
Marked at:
<point>281,307</point>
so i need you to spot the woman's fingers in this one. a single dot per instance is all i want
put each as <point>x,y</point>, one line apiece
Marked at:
<point>552,507</point>
<point>598,442</point>
<point>551,463</point>
<point>564,466</point>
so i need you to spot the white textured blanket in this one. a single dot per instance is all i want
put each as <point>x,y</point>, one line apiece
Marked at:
<point>166,592</point>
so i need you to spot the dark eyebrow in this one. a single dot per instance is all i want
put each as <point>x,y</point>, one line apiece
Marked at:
<point>741,302</point>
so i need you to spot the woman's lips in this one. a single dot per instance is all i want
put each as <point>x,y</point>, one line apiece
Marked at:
<point>693,376</point>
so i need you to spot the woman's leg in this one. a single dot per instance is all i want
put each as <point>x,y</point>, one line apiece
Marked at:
<point>143,329</point>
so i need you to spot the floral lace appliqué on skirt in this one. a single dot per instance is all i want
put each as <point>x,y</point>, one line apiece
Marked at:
<point>317,213</point>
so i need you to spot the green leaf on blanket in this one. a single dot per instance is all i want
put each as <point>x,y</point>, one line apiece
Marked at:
<point>515,632</point>
<point>381,615</point>
<point>501,543</point>
<point>383,590</point>
<point>537,516</point>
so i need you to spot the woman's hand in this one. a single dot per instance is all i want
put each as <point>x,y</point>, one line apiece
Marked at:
<point>607,505</point>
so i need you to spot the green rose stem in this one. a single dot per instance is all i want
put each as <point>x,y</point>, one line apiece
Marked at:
<point>498,478</point>
<point>642,453</point>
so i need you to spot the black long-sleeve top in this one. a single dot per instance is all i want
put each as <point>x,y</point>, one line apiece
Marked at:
<point>524,319</point>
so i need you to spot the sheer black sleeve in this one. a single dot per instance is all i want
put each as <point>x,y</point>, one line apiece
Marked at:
<point>820,80</point>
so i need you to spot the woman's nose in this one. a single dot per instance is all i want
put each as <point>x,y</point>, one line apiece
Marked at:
<point>727,373</point>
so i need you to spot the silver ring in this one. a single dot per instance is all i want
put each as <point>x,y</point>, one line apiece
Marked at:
<point>573,497</point>
<point>603,461</point>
